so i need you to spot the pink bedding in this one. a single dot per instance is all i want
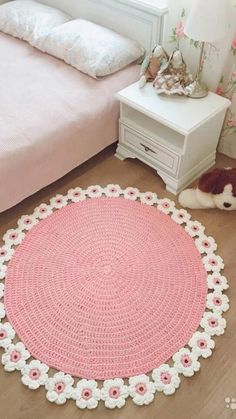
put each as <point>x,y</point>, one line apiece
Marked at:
<point>52,118</point>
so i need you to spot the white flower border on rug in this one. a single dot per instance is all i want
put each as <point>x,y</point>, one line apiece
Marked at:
<point>166,378</point>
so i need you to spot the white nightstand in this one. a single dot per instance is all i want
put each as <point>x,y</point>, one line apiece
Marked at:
<point>177,136</point>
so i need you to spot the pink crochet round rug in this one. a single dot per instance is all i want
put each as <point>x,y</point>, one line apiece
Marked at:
<point>106,288</point>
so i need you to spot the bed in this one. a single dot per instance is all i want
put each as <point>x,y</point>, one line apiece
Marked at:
<point>52,117</point>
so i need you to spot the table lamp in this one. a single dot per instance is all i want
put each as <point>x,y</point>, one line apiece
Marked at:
<point>208,21</point>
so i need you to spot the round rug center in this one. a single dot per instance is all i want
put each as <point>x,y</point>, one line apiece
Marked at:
<point>105,288</point>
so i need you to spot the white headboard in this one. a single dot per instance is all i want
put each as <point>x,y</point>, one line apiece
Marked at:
<point>135,19</point>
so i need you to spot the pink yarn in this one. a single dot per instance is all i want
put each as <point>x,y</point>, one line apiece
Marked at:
<point>105,288</point>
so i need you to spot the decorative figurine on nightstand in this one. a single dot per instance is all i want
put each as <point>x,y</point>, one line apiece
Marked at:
<point>216,189</point>
<point>174,77</point>
<point>152,64</point>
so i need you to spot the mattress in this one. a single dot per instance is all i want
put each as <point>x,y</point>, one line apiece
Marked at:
<point>52,118</point>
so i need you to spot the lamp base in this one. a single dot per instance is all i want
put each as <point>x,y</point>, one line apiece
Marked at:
<point>197,90</point>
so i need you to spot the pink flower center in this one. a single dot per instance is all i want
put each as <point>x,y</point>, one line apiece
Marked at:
<point>86,393</point>
<point>114,392</point>
<point>206,244</point>
<point>27,221</point>
<point>131,193</point>
<point>59,387</point>
<point>213,322</point>
<point>141,388</point>
<point>76,194</point>
<point>13,236</point>
<point>217,301</point>
<point>3,334</point>
<point>94,190</point>
<point>34,374</point>
<point>186,361</point>
<point>180,215</point>
<point>148,197</point>
<point>195,228</point>
<point>213,262</point>
<point>15,356</point>
<point>112,190</point>
<point>3,253</point>
<point>42,209</point>
<point>166,205</point>
<point>202,343</point>
<point>217,281</point>
<point>58,200</point>
<point>165,377</point>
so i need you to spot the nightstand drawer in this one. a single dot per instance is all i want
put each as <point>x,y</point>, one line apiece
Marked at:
<point>158,154</point>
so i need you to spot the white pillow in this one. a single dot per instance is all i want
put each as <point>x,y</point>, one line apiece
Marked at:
<point>90,48</point>
<point>29,20</point>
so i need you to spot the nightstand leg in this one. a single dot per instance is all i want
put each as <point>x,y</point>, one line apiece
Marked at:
<point>171,184</point>
<point>122,153</point>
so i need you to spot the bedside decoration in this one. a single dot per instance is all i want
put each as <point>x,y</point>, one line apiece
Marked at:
<point>208,21</point>
<point>99,313</point>
<point>216,189</point>
<point>174,77</point>
<point>152,64</point>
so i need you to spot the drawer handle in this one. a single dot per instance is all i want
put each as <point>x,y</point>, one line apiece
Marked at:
<point>146,148</point>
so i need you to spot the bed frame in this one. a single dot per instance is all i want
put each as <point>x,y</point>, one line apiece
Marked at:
<point>136,19</point>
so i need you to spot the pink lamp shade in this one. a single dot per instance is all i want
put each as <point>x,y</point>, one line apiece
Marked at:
<point>209,20</point>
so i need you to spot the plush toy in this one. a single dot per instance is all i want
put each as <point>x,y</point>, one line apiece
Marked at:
<point>216,189</point>
<point>174,77</point>
<point>152,64</point>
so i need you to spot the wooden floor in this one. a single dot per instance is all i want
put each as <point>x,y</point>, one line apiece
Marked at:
<point>199,397</point>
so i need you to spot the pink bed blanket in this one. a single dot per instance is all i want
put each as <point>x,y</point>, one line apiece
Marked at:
<point>52,118</point>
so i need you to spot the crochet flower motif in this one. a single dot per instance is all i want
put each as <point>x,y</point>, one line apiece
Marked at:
<point>76,195</point>
<point>58,201</point>
<point>217,282</point>
<point>87,394</point>
<point>15,356</point>
<point>6,253</point>
<point>13,237</point>
<point>166,205</point>
<point>114,392</point>
<point>3,271</point>
<point>194,228</point>
<point>1,290</point>
<point>213,263</point>
<point>141,389</point>
<point>34,374</point>
<point>217,302</point>
<point>201,344</point>
<point>180,216</point>
<point>206,244</point>
<point>7,333</point>
<point>2,311</point>
<point>166,379</point>
<point>43,211</point>
<point>26,222</point>
<point>148,198</point>
<point>131,193</point>
<point>213,323</point>
<point>59,388</point>
<point>185,362</point>
<point>112,191</point>
<point>94,191</point>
